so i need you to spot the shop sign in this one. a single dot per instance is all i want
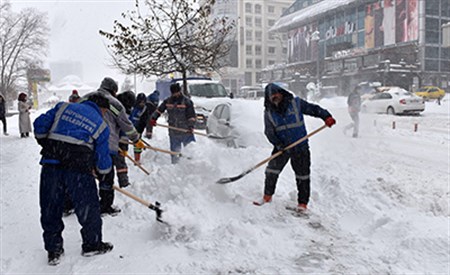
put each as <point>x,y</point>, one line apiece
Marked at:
<point>346,28</point>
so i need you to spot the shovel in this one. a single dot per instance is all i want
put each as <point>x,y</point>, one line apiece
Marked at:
<point>231,179</point>
<point>154,207</point>
<point>182,130</point>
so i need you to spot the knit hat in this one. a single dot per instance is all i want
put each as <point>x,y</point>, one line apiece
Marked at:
<point>109,85</point>
<point>175,88</point>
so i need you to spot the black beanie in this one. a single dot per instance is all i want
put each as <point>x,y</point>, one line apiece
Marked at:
<point>175,88</point>
<point>109,84</point>
<point>99,99</point>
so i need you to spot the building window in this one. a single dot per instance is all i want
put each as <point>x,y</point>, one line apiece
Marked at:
<point>248,7</point>
<point>258,9</point>
<point>258,36</point>
<point>248,36</point>
<point>249,63</point>
<point>271,36</point>
<point>248,49</point>
<point>258,50</point>
<point>258,63</point>
<point>258,22</point>
<point>271,62</point>
<point>432,52</point>
<point>271,9</point>
<point>248,21</point>
<point>271,50</point>
<point>431,65</point>
<point>445,66</point>
<point>258,77</point>
<point>432,37</point>
<point>271,22</point>
<point>432,7</point>
<point>284,51</point>
<point>248,78</point>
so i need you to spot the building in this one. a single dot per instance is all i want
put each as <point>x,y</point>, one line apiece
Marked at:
<point>346,42</point>
<point>254,47</point>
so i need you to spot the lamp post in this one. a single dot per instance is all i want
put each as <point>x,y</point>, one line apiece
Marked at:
<point>315,36</point>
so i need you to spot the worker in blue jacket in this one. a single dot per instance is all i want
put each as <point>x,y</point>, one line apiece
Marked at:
<point>284,124</point>
<point>74,140</point>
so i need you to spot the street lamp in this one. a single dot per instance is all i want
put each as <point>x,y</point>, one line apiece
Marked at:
<point>315,36</point>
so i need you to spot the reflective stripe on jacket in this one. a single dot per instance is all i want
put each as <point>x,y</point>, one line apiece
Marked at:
<point>74,136</point>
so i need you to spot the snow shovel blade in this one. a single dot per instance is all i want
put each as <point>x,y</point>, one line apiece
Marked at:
<point>228,180</point>
<point>155,207</point>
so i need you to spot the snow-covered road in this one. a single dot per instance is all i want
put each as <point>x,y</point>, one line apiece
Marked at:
<point>379,204</point>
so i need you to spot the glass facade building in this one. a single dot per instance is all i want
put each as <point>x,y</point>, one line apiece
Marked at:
<point>343,43</point>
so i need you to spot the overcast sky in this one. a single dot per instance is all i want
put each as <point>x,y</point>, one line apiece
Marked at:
<point>74,32</point>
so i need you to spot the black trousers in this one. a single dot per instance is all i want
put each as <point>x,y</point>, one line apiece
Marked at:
<point>300,162</point>
<point>3,119</point>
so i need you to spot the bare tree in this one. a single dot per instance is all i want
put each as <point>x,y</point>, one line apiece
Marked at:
<point>172,36</point>
<point>23,41</point>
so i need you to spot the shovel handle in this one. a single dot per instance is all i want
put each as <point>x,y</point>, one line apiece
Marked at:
<point>181,130</point>
<point>135,162</point>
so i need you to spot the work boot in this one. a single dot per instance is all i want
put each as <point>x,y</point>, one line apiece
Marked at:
<point>102,248</point>
<point>5,133</point>
<point>265,199</point>
<point>54,258</point>
<point>110,210</point>
<point>302,207</point>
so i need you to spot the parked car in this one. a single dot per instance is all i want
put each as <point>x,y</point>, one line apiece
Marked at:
<point>238,123</point>
<point>393,100</point>
<point>430,92</point>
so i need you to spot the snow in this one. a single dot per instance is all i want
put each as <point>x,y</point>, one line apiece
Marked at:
<point>296,18</point>
<point>379,205</point>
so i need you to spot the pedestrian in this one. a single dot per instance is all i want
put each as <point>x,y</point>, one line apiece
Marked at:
<point>74,97</point>
<point>137,115</point>
<point>3,114</point>
<point>117,120</point>
<point>24,116</point>
<point>283,125</point>
<point>74,140</point>
<point>128,100</point>
<point>181,114</point>
<point>354,107</point>
<point>152,104</point>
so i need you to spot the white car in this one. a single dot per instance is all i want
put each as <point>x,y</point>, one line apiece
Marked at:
<point>393,100</point>
<point>238,123</point>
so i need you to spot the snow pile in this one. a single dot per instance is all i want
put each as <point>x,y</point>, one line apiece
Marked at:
<point>379,204</point>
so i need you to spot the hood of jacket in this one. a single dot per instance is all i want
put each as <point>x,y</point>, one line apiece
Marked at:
<point>271,89</point>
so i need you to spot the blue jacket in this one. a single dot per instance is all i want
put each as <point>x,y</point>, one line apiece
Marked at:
<point>285,124</point>
<point>75,137</point>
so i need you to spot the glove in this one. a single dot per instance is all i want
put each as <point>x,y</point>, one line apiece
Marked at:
<point>123,184</point>
<point>123,153</point>
<point>153,122</point>
<point>190,130</point>
<point>140,144</point>
<point>330,121</point>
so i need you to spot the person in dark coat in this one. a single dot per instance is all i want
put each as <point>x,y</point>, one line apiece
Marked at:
<point>152,104</point>
<point>74,140</point>
<point>284,124</point>
<point>117,120</point>
<point>354,107</point>
<point>128,100</point>
<point>136,117</point>
<point>181,115</point>
<point>3,114</point>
